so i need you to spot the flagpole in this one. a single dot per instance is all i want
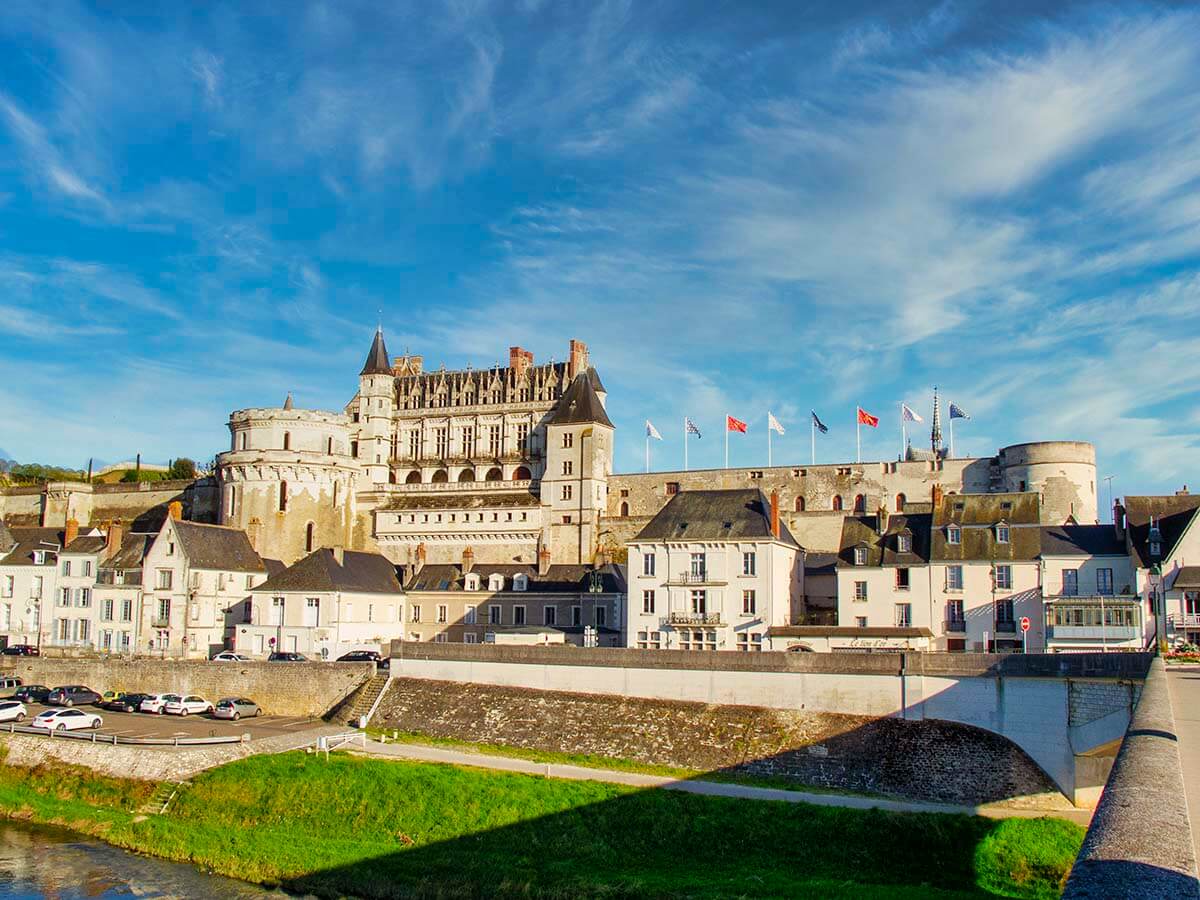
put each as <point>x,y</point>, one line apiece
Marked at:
<point>647,449</point>
<point>952,437</point>
<point>727,440</point>
<point>685,467</point>
<point>903,432</point>
<point>812,424</point>
<point>857,436</point>
<point>769,430</point>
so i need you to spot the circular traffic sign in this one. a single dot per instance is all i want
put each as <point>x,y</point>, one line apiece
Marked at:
<point>1024,623</point>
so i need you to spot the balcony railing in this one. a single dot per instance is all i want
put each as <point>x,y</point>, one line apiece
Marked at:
<point>446,487</point>
<point>1008,627</point>
<point>697,618</point>
<point>160,622</point>
<point>955,625</point>
<point>1184,620</point>
<point>694,578</point>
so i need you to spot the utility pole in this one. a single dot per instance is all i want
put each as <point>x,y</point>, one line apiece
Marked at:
<point>1109,480</point>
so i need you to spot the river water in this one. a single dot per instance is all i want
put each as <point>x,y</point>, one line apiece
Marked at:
<point>48,862</point>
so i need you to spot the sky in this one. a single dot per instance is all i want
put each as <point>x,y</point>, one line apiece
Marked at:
<point>740,208</point>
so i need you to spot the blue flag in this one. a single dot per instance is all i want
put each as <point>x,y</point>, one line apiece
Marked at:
<point>957,413</point>
<point>821,426</point>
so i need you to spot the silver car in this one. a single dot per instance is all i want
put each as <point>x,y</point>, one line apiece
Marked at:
<point>235,708</point>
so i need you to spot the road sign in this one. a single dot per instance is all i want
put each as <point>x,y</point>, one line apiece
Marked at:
<point>1024,623</point>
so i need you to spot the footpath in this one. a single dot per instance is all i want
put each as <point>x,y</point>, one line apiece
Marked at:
<point>1183,685</point>
<point>457,757</point>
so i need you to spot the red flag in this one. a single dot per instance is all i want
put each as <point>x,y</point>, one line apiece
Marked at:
<point>865,418</point>
<point>732,424</point>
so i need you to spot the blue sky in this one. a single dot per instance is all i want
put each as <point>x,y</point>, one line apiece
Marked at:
<point>740,207</point>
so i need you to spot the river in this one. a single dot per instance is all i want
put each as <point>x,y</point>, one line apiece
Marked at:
<point>49,862</point>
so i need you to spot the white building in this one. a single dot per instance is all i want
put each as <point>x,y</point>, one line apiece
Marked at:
<point>73,614</point>
<point>328,603</point>
<point>1163,540</point>
<point>118,593</point>
<point>713,570</point>
<point>1089,590</point>
<point>28,580</point>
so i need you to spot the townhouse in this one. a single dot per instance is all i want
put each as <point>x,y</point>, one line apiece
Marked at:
<point>73,615</point>
<point>118,591</point>
<point>1162,539</point>
<point>326,604</point>
<point>1088,587</point>
<point>714,570</point>
<point>28,581</point>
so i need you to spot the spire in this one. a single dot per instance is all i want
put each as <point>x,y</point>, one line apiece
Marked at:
<point>935,432</point>
<point>377,359</point>
<point>287,404</point>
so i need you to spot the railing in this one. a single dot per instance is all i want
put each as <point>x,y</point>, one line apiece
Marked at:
<point>94,737</point>
<point>450,486</point>
<point>955,625</point>
<point>1188,620</point>
<point>1009,627</point>
<point>687,618</point>
<point>694,578</point>
<point>160,622</point>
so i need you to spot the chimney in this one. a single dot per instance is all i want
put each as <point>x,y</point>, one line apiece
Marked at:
<point>519,360</point>
<point>468,559</point>
<point>339,554</point>
<point>578,358</point>
<point>113,539</point>
<point>1182,492</point>
<point>543,560</point>
<point>775,512</point>
<point>420,557</point>
<point>175,510</point>
<point>254,532</point>
<point>882,517</point>
<point>936,496</point>
<point>71,531</point>
<point>1119,520</point>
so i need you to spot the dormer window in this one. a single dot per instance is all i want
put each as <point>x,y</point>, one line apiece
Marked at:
<point>904,543</point>
<point>953,534</point>
<point>1155,548</point>
<point>520,582</point>
<point>471,582</point>
<point>860,556</point>
<point>39,557</point>
<point>495,582</point>
<point>1002,533</point>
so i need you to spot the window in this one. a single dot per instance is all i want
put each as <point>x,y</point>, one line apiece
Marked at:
<point>520,582</point>
<point>749,563</point>
<point>442,613</point>
<point>354,448</point>
<point>493,615</point>
<point>495,582</point>
<point>64,596</point>
<point>954,578</point>
<point>601,616</point>
<point>648,564</point>
<point>1004,610</point>
<point>567,491</point>
<point>901,500</point>
<point>699,602</point>
<point>549,615</point>
<point>953,534</point>
<point>903,615</point>
<point>283,496</point>
<point>441,638</point>
<point>518,615</point>
<point>799,504</point>
<point>6,586</point>
<point>1104,582</point>
<point>87,567</point>
<point>39,557</point>
<point>902,579</point>
<point>624,509</point>
<point>904,543</point>
<point>1155,548</point>
<point>415,615</point>
<point>164,609</point>
<point>35,588</point>
<point>860,621</point>
<point>749,603</point>
<point>441,442</point>
<point>312,611</point>
<point>860,556</point>
<point>672,488</point>
<point>576,615</point>
<point>1002,534</point>
<point>470,638</point>
<point>287,441</point>
<point>1004,578</point>
<point>697,566</point>
<point>1070,582</point>
<point>83,628</point>
<point>567,466</point>
<point>860,503</point>
<point>83,597</point>
<point>860,591</point>
<point>648,602</point>
<point>309,537</point>
<point>566,520</point>
<point>836,503</point>
<point>127,610</point>
<point>66,567</point>
<point>568,440</point>
<point>470,616</point>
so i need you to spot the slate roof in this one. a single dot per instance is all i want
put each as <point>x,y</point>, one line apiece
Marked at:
<point>377,362</point>
<point>21,554</point>
<point>743,514</point>
<point>1081,540</point>
<point>1187,577</point>
<point>45,535</point>
<point>580,404</point>
<point>1172,513</point>
<point>130,554</point>
<point>883,549</point>
<point>86,544</point>
<point>819,563</point>
<point>559,579</point>
<point>217,547</point>
<point>464,500</point>
<point>976,515</point>
<point>594,377</point>
<point>365,573</point>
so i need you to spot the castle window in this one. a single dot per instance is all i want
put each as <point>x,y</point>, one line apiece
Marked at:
<point>354,449</point>
<point>287,440</point>
<point>309,537</point>
<point>624,509</point>
<point>329,446</point>
<point>566,492</point>
<point>900,501</point>
<point>837,502</point>
<point>568,440</point>
<point>283,496</point>
<point>672,488</point>
<point>860,503</point>
<point>414,477</point>
<point>414,444</point>
<point>441,440</point>
<point>495,443</point>
<point>466,475</point>
<point>244,437</point>
<point>566,520</point>
<point>799,504</point>
<point>567,466</point>
<point>523,436</point>
<point>441,476</point>
<point>468,441</point>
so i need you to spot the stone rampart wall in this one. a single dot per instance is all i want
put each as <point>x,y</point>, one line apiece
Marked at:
<point>287,689</point>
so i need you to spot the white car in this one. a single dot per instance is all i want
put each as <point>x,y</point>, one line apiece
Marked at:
<point>155,703</point>
<point>66,720</point>
<point>230,656</point>
<point>12,711</point>
<point>188,704</point>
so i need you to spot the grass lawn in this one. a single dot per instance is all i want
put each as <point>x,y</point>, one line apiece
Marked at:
<point>375,828</point>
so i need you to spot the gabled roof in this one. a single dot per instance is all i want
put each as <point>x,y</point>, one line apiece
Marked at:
<point>320,571</point>
<point>217,547</point>
<point>1187,577</point>
<point>21,553</point>
<point>1172,514</point>
<point>977,515</point>
<point>86,543</point>
<point>883,548</point>
<point>45,535</point>
<point>131,552</point>
<point>734,515</point>
<point>1081,540</point>
<point>594,378</point>
<point>819,563</point>
<point>559,579</point>
<point>377,362</point>
<point>580,404</point>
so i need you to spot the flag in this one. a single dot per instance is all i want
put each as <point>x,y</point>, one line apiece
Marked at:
<point>689,427</point>
<point>732,424</point>
<point>651,431</point>
<point>773,423</point>
<point>821,426</point>
<point>865,418</point>
<point>957,413</point>
<point>908,414</point>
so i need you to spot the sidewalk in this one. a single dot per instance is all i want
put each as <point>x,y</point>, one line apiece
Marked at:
<point>1183,685</point>
<point>451,756</point>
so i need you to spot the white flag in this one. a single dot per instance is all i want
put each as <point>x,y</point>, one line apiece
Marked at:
<point>908,415</point>
<point>651,431</point>
<point>773,423</point>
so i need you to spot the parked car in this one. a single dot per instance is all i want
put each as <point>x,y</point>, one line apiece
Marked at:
<point>12,711</point>
<point>123,702</point>
<point>154,703</point>
<point>236,707</point>
<point>9,682</point>
<point>230,656</point>
<point>287,657</point>
<point>109,695</point>
<point>21,650</point>
<point>185,705</point>
<point>361,656</point>
<point>31,693</point>
<point>72,695</point>
<point>66,720</point>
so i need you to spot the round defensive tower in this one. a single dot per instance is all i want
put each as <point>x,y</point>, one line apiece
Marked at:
<point>1063,472</point>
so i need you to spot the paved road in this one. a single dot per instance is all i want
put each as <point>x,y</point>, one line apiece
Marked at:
<point>426,753</point>
<point>145,725</point>
<point>1184,687</point>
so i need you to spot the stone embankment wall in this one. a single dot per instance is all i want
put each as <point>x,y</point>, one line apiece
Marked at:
<point>285,689</point>
<point>934,761</point>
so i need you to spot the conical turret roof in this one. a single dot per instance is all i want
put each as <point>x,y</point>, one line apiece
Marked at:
<point>377,359</point>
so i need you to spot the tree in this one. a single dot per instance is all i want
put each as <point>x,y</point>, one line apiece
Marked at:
<point>182,469</point>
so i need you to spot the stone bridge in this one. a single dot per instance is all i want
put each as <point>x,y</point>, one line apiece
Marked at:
<point>1068,712</point>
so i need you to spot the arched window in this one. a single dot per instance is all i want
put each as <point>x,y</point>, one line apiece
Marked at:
<point>521,474</point>
<point>624,508</point>
<point>860,503</point>
<point>900,501</point>
<point>413,478</point>
<point>287,440</point>
<point>441,476</point>
<point>466,475</point>
<point>310,537</point>
<point>283,496</point>
<point>837,502</point>
<point>799,504</point>
<point>391,477</point>
<point>494,474</point>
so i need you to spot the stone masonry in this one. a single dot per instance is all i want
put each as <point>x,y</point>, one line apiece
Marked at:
<point>929,760</point>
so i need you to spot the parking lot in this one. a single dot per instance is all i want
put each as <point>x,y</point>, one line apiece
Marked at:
<point>147,725</point>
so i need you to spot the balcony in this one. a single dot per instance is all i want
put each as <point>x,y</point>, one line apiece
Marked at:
<point>956,625</point>
<point>1006,627</point>
<point>160,622</point>
<point>694,578</point>
<point>708,619</point>
<point>1184,620</point>
<point>448,487</point>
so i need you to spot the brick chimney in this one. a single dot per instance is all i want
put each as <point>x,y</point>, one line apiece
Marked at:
<point>543,560</point>
<point>339,554</point>
<point>113,538</point>
<point>175,510</point>
<point>254,532</point>
<point>578,360</point>
<point>420,557</point>
<point>468,559</point>
<point>71,531</point>
<point>519,360</point>
<point>775,512</point>
<point>1119,520</point>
